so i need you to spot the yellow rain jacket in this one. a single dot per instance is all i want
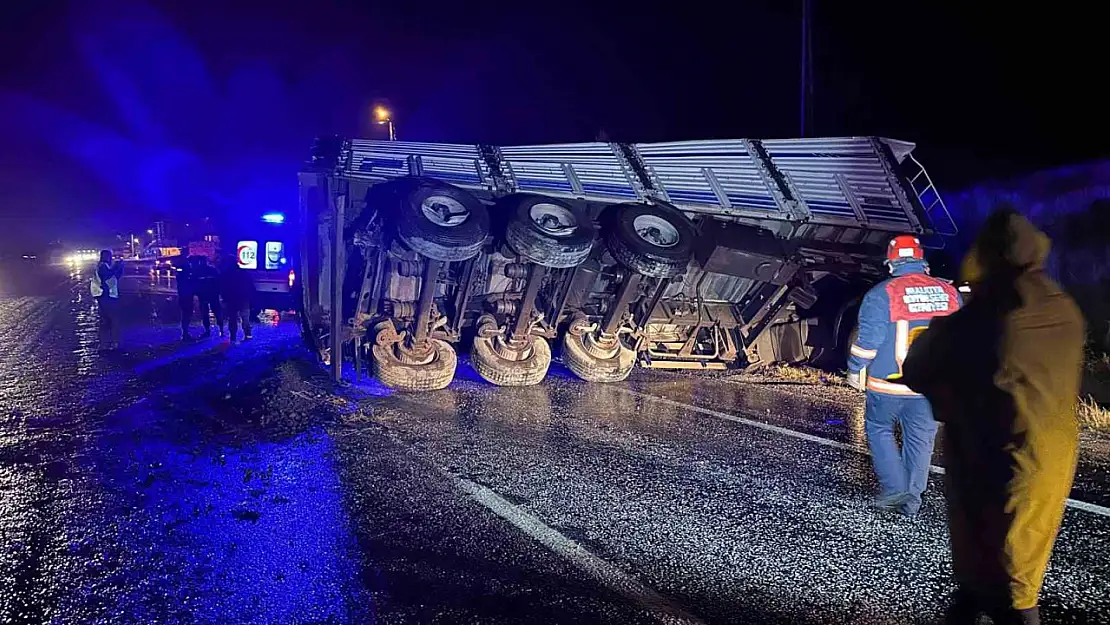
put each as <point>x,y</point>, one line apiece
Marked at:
<point>1003,375</point>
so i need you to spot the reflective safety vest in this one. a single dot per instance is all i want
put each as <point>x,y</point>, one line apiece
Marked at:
<point>893,313</point>
<point>99,287</point>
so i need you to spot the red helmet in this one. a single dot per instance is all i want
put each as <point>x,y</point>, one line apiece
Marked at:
<point>904,247</point>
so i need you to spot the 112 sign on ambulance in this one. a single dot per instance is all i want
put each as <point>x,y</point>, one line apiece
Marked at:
<point>247,253</point>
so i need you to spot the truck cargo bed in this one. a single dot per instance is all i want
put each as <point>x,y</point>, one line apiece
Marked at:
<point>855,182</point>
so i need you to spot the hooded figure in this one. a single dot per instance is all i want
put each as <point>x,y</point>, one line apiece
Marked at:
<point>1003,375</point>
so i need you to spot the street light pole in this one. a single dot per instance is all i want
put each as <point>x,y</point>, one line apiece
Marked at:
<point>385,117</point>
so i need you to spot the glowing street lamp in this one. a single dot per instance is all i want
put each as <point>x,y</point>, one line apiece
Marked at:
<point>383,116</point>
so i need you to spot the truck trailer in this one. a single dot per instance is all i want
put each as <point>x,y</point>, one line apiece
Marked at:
<point>684,255</point>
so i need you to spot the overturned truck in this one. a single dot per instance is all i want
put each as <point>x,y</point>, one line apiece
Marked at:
<point>686,255</point>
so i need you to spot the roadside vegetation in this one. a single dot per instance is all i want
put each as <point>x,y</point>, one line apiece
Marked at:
<point>1092,410</point>
<point>1095,394</point>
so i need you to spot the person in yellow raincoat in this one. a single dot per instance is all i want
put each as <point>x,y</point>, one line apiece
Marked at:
<point>1003,376</point>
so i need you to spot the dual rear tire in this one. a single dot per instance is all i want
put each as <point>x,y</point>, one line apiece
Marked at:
<point>431,375</point>
<point>529,369</point>
<point>587,361</point>
<point>440,221</point>
<point>445,223</point>
<point>543,231</point>
<point>654,240</point>
<point>549,232</point>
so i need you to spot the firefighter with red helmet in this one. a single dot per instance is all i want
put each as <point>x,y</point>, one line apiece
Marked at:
<point>891,315</point>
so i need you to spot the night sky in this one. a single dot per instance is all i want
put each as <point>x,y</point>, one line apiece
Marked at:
<point>114,112</point>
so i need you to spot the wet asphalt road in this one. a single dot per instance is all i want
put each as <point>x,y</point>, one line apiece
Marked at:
<point>208,483</point>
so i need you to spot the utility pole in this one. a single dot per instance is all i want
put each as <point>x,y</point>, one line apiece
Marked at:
<point>807,71</point>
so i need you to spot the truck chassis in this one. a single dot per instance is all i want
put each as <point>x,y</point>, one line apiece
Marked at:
<point>688,255</point>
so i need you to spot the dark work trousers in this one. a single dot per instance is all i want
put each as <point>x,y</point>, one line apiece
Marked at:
<point>210,305</point>
<point>108,318</point>
<point>186,303</point>
<point>235,314</point>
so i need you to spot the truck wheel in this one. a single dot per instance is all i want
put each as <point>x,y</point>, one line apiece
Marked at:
<point>650,239</point>
<point>853,336</point>
<point>591,367</point>
<point>441,222</point>
<point>505,372</point>
<point>550,232</point>
<point>430,376</point>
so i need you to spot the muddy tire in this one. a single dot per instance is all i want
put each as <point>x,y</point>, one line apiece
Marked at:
<point>430,376</point>
<point>502,372</point>
<point>853,336</point>
<point>593,369</point>
<point>549,232</point>
<point>653,240</point>
<point>440,221</point>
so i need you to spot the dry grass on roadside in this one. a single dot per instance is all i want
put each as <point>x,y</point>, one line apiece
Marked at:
<point>1099,364</point>
<point>1091,415</point>
<point>1091,410</point>
<point>1096,365</point>
<point>798,374</point>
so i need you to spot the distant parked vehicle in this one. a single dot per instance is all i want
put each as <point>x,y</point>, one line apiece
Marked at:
<point>264,247</point>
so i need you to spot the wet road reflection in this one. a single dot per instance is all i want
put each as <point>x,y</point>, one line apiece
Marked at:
<point>205,483</point>
<point>131,491</point>
<point>837,414</point>
<point>738,523</point>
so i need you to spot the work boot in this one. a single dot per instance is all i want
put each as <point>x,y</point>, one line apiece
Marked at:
<point>1010,616</point>
<point>889,502</point>
<point>909,508</point>
<point>963,609</point>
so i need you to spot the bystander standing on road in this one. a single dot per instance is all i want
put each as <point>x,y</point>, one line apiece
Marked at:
<point>105,288</point>
<point>236,289</point>
<point>185,293</point>
<point>1003,374</point>
<point>892,313</point>
<point>206,286</point>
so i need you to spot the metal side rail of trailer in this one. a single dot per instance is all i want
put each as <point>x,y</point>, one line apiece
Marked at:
<point>695,254</point>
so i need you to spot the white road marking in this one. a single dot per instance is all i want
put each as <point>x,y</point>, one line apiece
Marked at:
<point>606,574</point>
<point>1072,503</point>
<point>603,572</point>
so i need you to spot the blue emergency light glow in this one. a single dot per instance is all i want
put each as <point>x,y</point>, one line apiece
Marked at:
<point>273,218</point>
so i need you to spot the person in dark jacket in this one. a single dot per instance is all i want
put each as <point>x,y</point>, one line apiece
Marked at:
<point>185,293</point>
<point>236,290</point>
<point>1003,375</point>
<point>206,285</point>
<point>105,288</point>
